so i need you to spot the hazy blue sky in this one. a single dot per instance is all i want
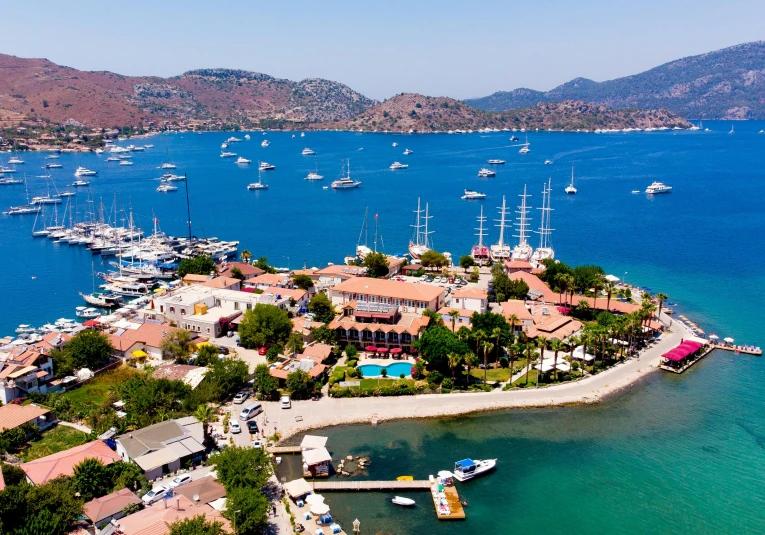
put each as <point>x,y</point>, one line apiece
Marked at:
<point>454,48</point>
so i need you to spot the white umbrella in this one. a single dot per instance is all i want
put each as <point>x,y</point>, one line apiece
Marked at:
<point>320,509</point>
<point>728,340</point>
<point>445,474</point>
<point>714,337</point>
<point>312,499</point>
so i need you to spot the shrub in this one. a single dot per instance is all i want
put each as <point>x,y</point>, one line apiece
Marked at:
<point>504,362</point>
<point>435,378</point>
<point>384,372</point>
<point>351,352</point>
<point>447,383</point>
<point>351,363</point>
<point>401,376</point>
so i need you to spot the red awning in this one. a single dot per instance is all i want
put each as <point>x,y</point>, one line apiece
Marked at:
<point>91,323</point>
<point>382,349</point>
<point>371,349</point>
<point>682,351</point>
<point>395,350</point>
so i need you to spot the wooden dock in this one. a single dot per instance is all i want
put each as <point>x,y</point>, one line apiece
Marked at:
<point>456,511</point>
<point>283,449</point>
<point>346,484</point>
<point>746,350</point>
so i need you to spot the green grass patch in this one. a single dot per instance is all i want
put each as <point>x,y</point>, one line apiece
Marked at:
<point>96,391</point>
<point>58,439</point>
<point>492,374</point>
<point>532,378</point>
<point>380,383</point>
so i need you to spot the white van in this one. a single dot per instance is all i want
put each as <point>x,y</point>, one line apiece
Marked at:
<point>250,411</point>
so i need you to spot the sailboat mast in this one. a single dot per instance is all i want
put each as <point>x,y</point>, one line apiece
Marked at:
<point>481,233</point>
<point>377,228</point>
<point>523,219</point>
<point>502,223</point>
<point>188,206</point>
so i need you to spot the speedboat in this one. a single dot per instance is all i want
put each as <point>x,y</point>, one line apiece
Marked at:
<point>658,187</point>
<point>408,151</point>
<point>247,136</point>
<point>167,165</point>
<point>471,195</point>
<point>242,159</point>
<point>82,171</point>
<point>486,173</point>
<point>10,181</point>
<point>308,152</point>
<point>102,299</point>
<point>224,145</point>
<point>112,159</point>
<point>467,469</point>
<point>166,188</point>
<point>265,166</point>
<point>497,162</point>
<point>265,143</point>
<point>404,502</point>
<point>548,162</point>
<point>16,160</point>
<point>525,149</point>
<point>53,166</point>
<point>398,165</point>
<point>78,183</point>
<point>126,162</point>
<point>395,144</point>
<point>314,176</point>
<point>513,138</point>
<point>227,154</point>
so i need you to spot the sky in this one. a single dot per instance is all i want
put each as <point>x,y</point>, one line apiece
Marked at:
<point>459,49</point>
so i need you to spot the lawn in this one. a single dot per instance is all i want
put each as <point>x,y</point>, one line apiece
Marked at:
<point>59,438</point>
<point>381,383</point>
<point>95,391</point>
<point>532,378</point>
<point>492,374</point>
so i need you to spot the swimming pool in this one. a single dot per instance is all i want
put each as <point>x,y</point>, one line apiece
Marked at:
<point>394,370</point>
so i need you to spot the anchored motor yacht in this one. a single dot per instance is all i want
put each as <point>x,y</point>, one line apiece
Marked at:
<point>398,165</point>
<point>472,195</point>
<point>486,173</point>
<point>658,187</point>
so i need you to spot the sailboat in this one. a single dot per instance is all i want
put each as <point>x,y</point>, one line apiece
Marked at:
<point>545,250</point>
<point>362,249</point>
<point>525,149</point>
<point>420,244</point>
<point>731,130</point>
<point>522,252</point>
<point>314,175</point>
<point>259,184</point>
<point>480,253</point>
<point>26,209</point>
<point>570,189</point>
<point>500,251</point>
<point>346,182</point>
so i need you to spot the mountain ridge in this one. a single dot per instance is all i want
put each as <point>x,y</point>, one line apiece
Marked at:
<point>723,84</point>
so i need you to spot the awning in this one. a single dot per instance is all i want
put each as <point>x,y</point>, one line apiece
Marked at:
<point>140,353</point>
<point>317,456</point>
<point>311,442</point>
<point>682,351</point>
<point>91,323</point>
<point>297,488</point>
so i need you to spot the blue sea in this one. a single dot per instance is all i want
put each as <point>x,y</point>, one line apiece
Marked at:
<point>681,454</point>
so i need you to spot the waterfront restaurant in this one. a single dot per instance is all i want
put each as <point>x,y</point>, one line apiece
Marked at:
<point>682,356</point>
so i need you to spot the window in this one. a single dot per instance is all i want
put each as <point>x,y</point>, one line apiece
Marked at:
<point>183,312</point>
<point>172,310</point>
<point>161,308</point>
<point>217,302</point>
<point>236,305</point>
<point>249,306</point>
<point>208,330</point>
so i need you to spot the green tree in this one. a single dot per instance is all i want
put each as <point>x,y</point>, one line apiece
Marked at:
<point>435,344</point>
<point>325,335</point>
<point>197,525</point>
<point>351,352</point>
<point>13,475</point>
<point>304,282</point>
<point>206,355</point>
<point>227,376</point>
<point>262,263</point>
<point>147,398</point>
<point>466,262</point>
<point>265,384</point>
<point>205,414</point>
<point>506,288</point>
<point>433,259</point>
<point>242,467</point>
<point>321,307</point>
<point>91,479</point>
<point>246,256</point>
<point>295,343</point>
<point>299,384</point>
<point>198,265</point>
<point>236,273</point>
<point>247,510</point>
<point>87,349</point>
<point>272,355</point>
<point>376,264</point>
<point>176,345</point>
<point>264,325</point>
<point>126,475</point>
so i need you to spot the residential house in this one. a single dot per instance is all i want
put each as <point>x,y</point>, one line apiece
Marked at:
<point>139,340</point>
<point>249,271</point>
<point>42,470</point>
<point>515,307</point>
<point>463,320</point>
<point>12,416</point>
<point>305,327</point>
<point>471,298</point>
<point>518,265</point>
<point>157,519</point>
<point>267,280</point>
<point>395,263</point>
<point>540,319</point>
<point>538,290</point>
<point>229,283</point>
<point>203,490</point>
<point>296,295</point>
<point>101,511</point>
<point>191,279</point>
<point>189,375</point>
<point>23,370</point>
<point>332,275</point>
<point>161,448</point>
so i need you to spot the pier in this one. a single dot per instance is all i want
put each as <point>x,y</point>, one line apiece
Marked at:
<point>746,350</point>
<point>370,485</point>
<point>454,509</point>
<point>283,449</point>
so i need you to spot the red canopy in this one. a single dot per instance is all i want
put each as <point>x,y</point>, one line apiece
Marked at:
<point>371,349</point>
<point>395,350</point>
<point>682,351</point>
<point>382,349</point>
<point>91,323</point>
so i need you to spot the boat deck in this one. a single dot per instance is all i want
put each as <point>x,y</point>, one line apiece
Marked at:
<point>369,485</point>
<point>456,510</point>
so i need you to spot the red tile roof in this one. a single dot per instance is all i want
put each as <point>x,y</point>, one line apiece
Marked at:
<point>246,269</point>
<point>42,470</point>
<point>15,415</point>
<point>111,504</point>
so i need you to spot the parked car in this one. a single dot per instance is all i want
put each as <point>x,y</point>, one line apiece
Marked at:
<point>223,350</point>
<point>154,495</point>
<point>423,277</point>
<point>262,351</point>
<point>257,444</point>
<point>241,397</point>
<point>428,279</point>
<point>235,427</point>
<point>286,402</point>
<point>180,481</point>
<point>252,426</point>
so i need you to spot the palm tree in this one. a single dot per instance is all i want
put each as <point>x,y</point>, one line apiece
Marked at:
<point>610,288</point>
<point>585,338</point>
<point>597,285</point>
<point>529,348</point>
<point>661,296</point>
<point>454,314</point>
<point>478,335</point>
<point>471,361</point>
<point>488,347</point>
<point>556,345</point>
<point>541,342</point>
<point>514,349</point>
<point>583,306</point>
<point>573,341</point>
<point>497,334</point>
<point>246,256</point>
<point>455,361</point>
<point>570,280</point>
<point>513,319</point>
<point>205,414</point>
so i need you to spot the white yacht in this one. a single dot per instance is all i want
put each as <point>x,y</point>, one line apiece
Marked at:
<point>242,159</point>
<point>227,154</point>
<point>302,134</point>
<point>308,152</point>
<point>395,144</point>
<point>149,146</point>
<point>570,189</point>
<point>52,157</point>
<point>545,250</point>
<point>408,151</point>
<point>346,182</point>
<point>169,177</point>
<point>731,130</point>
<point>525,149</point>
<point>233,139</point>
<point>45,199</point>
<point>66,194</point>
<point>398,165</point>
<point>247,137</point>
<point>112,159</point>
<point>15,160</point>
<point>23,210</point>
<point>82,171</point>
<point>468,469</point>
<point>548,162</point>
<point>166,188</point>
<point>497,162</point>
<point>658,187</point>
<point>265,143</point>
<point>472,195</point>
<point>9,181</point>
<point>259,184</point>
<point>314,176</point>
<point>78,183</point>
<point>126,162</point>
<point>522,252</point>
<point>167,165</point>
<point>420,243</point>
<point>53,166</point>
<point>265,166</point>
<point>224,145</point>
<point>484,173</point>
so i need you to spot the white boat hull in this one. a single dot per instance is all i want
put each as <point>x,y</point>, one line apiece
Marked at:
<point>482,467</point>
<point>404,502</point>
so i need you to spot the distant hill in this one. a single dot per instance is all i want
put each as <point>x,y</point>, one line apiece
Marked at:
<point>410,111</point>
<point>725,84</point>
<point>38,88</point>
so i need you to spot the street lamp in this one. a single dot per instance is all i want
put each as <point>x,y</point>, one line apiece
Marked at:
<point>356,525</point>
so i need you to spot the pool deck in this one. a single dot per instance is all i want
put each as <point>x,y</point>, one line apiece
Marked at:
<point>385,362</point>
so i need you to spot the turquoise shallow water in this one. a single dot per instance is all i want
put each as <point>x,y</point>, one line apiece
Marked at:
<point>677,454</point>
<point>393,370</point>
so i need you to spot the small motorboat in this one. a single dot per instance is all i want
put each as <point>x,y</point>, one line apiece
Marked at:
<point>404,502</point>
<point>405,478</point>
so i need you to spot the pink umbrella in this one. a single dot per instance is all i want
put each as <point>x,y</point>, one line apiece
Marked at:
<point>371,349</point>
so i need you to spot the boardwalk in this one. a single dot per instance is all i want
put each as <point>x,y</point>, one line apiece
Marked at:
<point>369,485</point>
<point>283,449</point>
<point>452,497</point>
